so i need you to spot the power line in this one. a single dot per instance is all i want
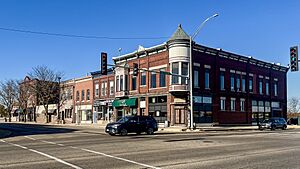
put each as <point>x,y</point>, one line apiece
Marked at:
<point>77,36</point>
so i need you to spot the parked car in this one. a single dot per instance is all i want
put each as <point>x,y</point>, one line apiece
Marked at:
<point>132,124</point>
<point>293,121</point>
<point>273,123</point>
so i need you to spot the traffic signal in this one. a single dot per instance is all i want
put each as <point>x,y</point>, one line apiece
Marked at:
<point>103,63</point>
<point>294,58</point>
<point>135,69</point>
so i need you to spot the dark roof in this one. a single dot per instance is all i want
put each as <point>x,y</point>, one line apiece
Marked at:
<point>98,73</point>
<point>179,34</point>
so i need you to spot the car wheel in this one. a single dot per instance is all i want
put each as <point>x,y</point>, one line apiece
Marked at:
<point>123,132</point>
<point>260,128</point>
<point>273,127</point>
<point>284,127</point>
<point>150,131</point>
<point>112,134</point>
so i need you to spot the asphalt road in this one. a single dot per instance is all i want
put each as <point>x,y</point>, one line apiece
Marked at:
<point>39,146</point>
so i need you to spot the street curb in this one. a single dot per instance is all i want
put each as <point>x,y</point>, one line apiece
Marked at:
<point>4,133</point>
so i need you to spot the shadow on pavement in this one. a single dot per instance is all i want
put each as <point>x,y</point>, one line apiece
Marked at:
<point>18,129</point>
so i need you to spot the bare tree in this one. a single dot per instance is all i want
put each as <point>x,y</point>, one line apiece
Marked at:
<point>45,86</point>
<point>293,106</point>
<point>3,112</point>
<point>8,94</point>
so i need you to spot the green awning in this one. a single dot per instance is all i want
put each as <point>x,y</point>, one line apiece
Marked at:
<point>124,103</point>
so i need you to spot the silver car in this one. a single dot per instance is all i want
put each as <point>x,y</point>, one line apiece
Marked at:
<point>273,123</point>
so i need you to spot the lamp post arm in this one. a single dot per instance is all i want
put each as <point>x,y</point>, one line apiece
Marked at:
<point>202,24</point>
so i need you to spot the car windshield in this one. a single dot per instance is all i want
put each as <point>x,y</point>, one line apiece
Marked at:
<point>266,121</point>
<point>123,120</point>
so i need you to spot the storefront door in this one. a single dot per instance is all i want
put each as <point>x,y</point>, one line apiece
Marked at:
<point>180,116</point>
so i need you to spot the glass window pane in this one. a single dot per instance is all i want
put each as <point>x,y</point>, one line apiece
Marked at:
<point>207,78</point>
<point>175,70</point>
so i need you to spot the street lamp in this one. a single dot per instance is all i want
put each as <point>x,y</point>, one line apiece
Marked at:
<point>191,67</point>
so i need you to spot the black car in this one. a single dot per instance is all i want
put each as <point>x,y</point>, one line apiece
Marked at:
<point>273,123</point>
<point>132,124</point>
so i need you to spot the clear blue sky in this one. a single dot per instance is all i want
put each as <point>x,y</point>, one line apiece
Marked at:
<point>263,29</point>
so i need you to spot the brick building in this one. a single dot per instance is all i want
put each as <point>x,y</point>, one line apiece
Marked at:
<point>227,88</point>
<point>83,102</point>
<point>104,94</point>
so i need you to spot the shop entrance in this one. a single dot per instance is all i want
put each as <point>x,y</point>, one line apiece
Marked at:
<point>180,116</point>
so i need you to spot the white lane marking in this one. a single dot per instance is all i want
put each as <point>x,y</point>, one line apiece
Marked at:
<point>48,142</point>
<point>44,154</point>
<point>30,138</point>
<point>119,158</point>
<point>99,153</point>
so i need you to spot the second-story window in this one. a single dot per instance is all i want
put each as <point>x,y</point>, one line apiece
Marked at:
<point>117,84</point>
<point>243,83</point>
<point>267,88</point>
<point>82,95</point>
<point>238,83</point>
<point>196,77</point>
<point>103,88</point>
<point>97,89</point>
<point>88,94</point>
<point>222,80</point>
<point>207,79</point>
<point>184,72</point>
<point>153,79</point>
<point>232,82</point>
<point>260,85</point>
<point>175,70</point>
<point>111,85</point>
<point>251,84</point>
<point>121,83</point>
<point>77,96</point>
<point>143,79</point>
<point>162,78</point>
<point>133,83</point>
<point>275,88</point>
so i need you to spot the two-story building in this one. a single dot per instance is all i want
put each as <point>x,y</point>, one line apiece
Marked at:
<point>83,102</point>
<point>104,95</point>
<point>227,88</point>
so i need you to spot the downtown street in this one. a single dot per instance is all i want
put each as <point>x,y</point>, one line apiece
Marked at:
<point>52,146</point>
